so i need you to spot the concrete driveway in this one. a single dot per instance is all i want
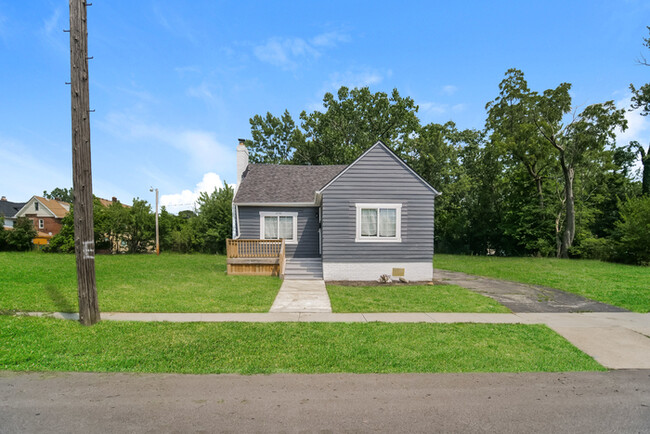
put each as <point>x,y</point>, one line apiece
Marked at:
<point>521,297</point>
<point>579,402</point>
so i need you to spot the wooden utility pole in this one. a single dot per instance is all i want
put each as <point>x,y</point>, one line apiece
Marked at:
<point>84,239</point>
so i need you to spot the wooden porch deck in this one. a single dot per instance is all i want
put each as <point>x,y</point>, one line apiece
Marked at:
<point>255,257</point>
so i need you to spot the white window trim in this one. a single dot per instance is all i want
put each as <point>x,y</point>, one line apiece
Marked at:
<point>398,230</point>
<point>41,224</point>
<point>280,214</point>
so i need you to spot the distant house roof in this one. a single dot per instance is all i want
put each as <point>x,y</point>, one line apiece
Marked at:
<point>9,209</point>
<point>108,203</point>
<point>272,183</point>
<point>57,207</point>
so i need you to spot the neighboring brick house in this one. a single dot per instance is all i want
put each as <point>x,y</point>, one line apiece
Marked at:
<point>46,215</point>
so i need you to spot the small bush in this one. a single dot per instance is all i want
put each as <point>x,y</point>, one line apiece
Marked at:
<point>603,249</point>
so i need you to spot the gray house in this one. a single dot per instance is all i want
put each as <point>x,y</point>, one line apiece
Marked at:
<point>8,211</point>
<point>355,222</point>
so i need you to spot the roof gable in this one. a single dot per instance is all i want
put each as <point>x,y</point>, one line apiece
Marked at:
<point>385,148</point>
<point>56,208</point>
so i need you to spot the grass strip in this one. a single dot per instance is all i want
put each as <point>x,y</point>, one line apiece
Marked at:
<point>410,298</point>
<point>627,286</point>
<point>46,344</point>
<point>37,281</point>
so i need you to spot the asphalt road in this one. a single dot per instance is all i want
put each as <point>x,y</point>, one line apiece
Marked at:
<point>615,401</point>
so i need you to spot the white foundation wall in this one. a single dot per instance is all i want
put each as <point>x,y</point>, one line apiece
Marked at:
<point>417,271</point>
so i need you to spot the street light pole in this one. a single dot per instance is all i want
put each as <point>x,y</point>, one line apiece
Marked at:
<point>157,238</point>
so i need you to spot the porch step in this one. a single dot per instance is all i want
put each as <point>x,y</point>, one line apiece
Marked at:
<point>303,269</point>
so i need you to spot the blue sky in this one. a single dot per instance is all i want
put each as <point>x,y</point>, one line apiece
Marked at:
<point>174,83</point>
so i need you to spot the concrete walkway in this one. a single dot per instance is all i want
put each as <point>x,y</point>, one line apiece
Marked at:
<point>302,296</point>
<point>617,340</point>
<point>522,297</point>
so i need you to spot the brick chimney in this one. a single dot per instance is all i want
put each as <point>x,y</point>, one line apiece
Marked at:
<point>242,159</point>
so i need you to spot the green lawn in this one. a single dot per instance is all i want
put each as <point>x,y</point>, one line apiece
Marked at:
<point>626,286</point>
<point>412,298</point>
<point>46,344</point>
<point>37,281</point>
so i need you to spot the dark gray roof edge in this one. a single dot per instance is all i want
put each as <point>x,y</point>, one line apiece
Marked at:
<point>288,199</point>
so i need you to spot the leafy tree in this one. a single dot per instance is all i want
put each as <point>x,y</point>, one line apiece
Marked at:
<point>3,234</point>
<point>111,224</point>
<point>21,236</point>
<point>274,139</point>
<point>634,231</point>
<point>352,120</point>
<point>574,142</point>
<point>139,227</point>
<point>64,194</point>
<point>641,100</point>
<point>215,219</point>
<point>63,241</point>
<point>510,120</point>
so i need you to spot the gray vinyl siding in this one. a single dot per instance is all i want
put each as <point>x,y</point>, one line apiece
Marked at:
<point>307,247</point>
<point>379,177</point>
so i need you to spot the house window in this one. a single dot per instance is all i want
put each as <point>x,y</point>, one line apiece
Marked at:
<point>35,206</point>
<point>379,222</point>
<point>41,224</point>
<point>277,225</point>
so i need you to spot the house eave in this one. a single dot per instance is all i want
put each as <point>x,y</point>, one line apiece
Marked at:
<point>278,204</point>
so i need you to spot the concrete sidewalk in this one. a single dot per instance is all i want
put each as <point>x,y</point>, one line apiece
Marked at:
<point>616,340</point>
<point>302,296</point>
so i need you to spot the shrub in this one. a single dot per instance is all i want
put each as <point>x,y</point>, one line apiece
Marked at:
<point>22,234</point>
<point>633,231</point>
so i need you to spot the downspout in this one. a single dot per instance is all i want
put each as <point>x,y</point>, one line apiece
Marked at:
<point>233,207</point>
<point>238,230</point>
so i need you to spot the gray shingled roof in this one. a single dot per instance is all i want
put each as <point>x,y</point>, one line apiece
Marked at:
<point>9,209</point>
<point>272,183</point>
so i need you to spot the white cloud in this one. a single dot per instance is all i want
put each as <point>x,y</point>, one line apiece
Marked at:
<point>284,52</point>
<point>51,32</point>
<point>433,107</point>
<point>202,91</point>
<point>329,39</point>
<point>287,53</point>
<point>449,89</point>
<point>353,79</point>
<point>186,199</point>
<point>202,148</point>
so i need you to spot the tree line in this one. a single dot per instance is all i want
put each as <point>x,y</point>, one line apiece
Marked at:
<point>131,229</point>
<point>542,178</point>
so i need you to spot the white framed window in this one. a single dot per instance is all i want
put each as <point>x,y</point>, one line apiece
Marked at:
<point>277,225</point>
<point>379,222</point>
<point>41,224</point>
<point>35,206</point>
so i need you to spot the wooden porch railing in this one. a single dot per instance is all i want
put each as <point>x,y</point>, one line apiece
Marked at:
<point>256,257</point>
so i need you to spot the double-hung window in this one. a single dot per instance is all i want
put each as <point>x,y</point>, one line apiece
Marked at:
<point>277,225</point>
<point>379,222</point>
